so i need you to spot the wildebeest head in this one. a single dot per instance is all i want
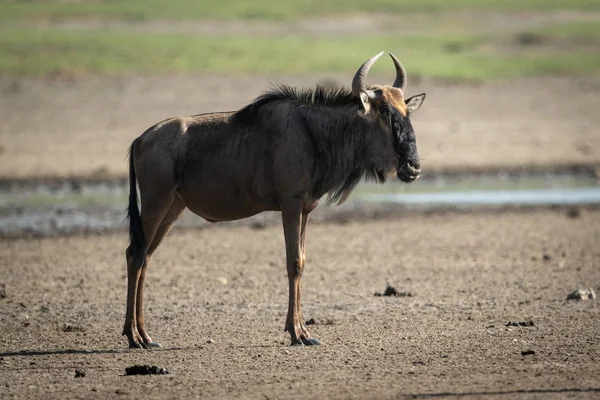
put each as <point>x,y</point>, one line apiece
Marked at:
<point>386,105</point>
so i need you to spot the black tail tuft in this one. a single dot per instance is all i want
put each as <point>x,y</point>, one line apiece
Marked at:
<point>137,242</point>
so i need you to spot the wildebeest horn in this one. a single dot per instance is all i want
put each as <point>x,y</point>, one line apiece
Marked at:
<point>401,77</point>
<point>358,83</point>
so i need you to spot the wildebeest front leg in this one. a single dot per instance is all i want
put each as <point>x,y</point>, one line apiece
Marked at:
<point>293,222</point>
<point>303,225</point>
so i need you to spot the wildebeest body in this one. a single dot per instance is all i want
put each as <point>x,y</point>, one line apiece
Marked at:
<point>282,152</point>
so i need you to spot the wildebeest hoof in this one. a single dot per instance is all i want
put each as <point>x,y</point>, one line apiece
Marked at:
<point>311,342</point>
<point>144,345</point>
<point>307,342</point>
<point>137,345</point>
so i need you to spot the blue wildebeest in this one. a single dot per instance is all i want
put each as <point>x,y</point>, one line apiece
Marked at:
<point>283,152</point>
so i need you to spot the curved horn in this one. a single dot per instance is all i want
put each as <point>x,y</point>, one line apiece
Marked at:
<point>358,83</point>
<point>401,77</point>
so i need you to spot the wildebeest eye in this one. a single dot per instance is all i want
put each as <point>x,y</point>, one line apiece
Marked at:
<point>395,121</point>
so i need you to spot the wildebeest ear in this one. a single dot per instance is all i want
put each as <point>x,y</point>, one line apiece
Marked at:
<point>366,103</point>
<point>413,103</point>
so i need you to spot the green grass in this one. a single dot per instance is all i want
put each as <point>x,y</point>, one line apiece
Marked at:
<point>39,52</point>
<point>265,9</point>
<point>575,30</point>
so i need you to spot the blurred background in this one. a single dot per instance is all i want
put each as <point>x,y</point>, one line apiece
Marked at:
<point>512,87</point>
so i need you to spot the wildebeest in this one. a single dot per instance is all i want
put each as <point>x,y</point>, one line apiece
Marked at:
<point>282,152</point>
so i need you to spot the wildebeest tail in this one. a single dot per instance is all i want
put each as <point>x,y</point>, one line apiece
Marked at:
<point>137,243</point>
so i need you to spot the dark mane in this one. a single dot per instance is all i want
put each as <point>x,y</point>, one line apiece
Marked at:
<point>318,96</point>
<point>340,143</point>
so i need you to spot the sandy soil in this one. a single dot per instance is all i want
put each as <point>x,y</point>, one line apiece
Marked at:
<point>70,127</point>
<point>469,274</point>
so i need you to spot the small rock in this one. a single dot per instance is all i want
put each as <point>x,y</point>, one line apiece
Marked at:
<point>2,291</point>
<point>392,291</point>
<point>573,213</point>
<point>23,305</point>
<point>79,373</point>
<point>210,341</point>
<point>527,352</point>
<point>582,294</point>
<point>222,280</point>
<point>521,323</point>
<point>326,321</point>
<point>71,328</point>
<point>145,370</point>
<point>547,257</point>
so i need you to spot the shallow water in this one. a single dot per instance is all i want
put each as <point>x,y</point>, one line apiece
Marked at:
<point>523,197</point>
<point>487,190</point>
<point>79,207</point>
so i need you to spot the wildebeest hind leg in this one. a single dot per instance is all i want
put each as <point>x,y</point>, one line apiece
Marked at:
<point>156,199</point>
<point>175,211</point>
<point>133,274</point>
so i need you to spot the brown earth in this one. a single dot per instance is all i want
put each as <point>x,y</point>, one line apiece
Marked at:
<point>216,299</point>
<point>76,127</point>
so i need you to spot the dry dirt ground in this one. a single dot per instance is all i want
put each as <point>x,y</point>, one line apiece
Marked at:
<point>76,127</point>
<point>216,299</point>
